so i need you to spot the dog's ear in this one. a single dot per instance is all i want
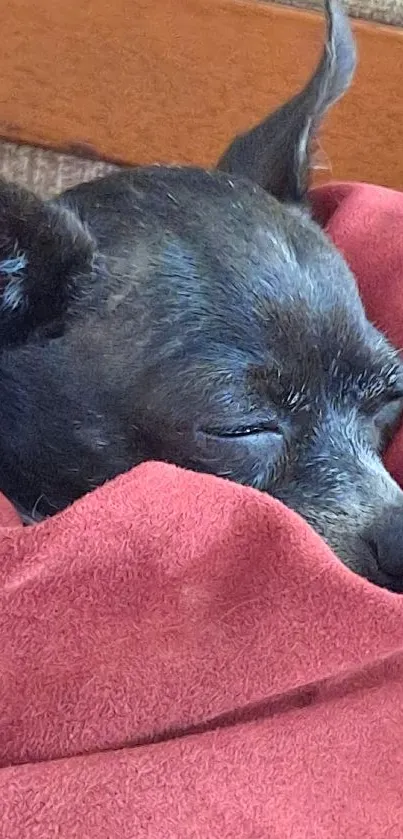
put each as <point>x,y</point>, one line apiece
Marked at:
<point>276,153</point>
<point>43,249</point>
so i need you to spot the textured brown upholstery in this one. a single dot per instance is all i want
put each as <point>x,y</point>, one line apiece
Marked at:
<point>48,172</point>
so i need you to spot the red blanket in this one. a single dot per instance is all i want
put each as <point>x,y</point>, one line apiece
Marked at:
<point>182,657</point>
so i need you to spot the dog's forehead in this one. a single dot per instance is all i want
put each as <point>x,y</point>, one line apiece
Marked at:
<point>229,229</point>
<point>231,253</point>
<point>225,272</point>
<point>248,282</point>
<point>206,229</point>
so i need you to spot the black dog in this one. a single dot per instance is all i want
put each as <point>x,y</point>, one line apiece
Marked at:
<point>202,318</point>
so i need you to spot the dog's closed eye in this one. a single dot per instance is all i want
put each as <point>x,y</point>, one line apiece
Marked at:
<point>245,430</point>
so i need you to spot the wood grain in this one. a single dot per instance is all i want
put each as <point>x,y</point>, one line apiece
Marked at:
<point>172,80</point>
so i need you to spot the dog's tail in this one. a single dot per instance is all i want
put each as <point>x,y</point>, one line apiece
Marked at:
<point>276,153</point>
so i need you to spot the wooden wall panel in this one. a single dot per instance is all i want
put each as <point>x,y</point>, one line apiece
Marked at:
<point>172,80</point>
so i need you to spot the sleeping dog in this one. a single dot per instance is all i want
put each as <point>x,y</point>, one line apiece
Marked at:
<point>202,318</point>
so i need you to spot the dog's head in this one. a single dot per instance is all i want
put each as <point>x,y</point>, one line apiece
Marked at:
<point>203,318</point>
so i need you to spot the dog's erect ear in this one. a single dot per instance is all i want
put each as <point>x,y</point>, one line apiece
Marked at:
<point>276,153</point>
<point>43,249</point>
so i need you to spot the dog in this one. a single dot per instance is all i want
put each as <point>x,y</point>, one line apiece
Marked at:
<point>202,318</point>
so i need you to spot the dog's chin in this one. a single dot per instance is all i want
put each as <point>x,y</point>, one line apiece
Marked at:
<point>357,555</point>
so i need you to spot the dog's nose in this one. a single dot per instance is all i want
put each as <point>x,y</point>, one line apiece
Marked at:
<point>386,541</point>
